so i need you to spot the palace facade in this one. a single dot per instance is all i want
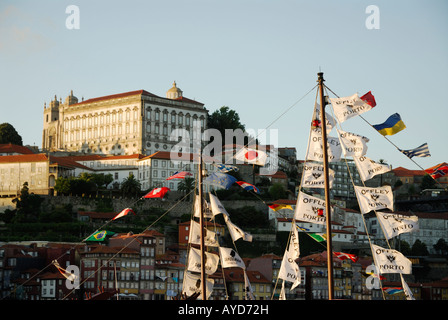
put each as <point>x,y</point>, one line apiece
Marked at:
<point>136,122</point>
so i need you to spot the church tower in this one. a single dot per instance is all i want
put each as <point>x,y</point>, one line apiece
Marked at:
<point>53,117</point>
<point>174,92</point>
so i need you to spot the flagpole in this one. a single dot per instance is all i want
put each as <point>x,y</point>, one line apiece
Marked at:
<point>320,80</point>
<point>201,208</point>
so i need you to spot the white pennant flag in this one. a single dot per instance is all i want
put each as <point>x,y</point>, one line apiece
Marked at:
<point>353,145</point>
<point>206,211</point>
<point>374,198</point>
<point>230,258</point>
<point>391,261</point>
<point>315,147</point>
<point>289,270</point>
<point>368,168</point>
<point>394,224</point>
<point>313,176</point>
<point>347,107</point>
<point>309,208</point>
<point>194,261</point>
<point>248,292</point>
<point>407,291</point>
<point>282,291</point>
<point>294,248</point>
<point>216,206</point>
<point>192,285</point>
<point>236,232</point>
<point>195,235</point>
<point>331,123</point>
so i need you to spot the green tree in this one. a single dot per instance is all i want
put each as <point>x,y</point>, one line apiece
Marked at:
<point>277,191</point>
<point>427,182</point>
<point>441,246</point>
<point>226,118</point>
<point>186,185</point>
<point>28,205</point>
<point>8,134</point>
<point>419,248</point>
<point>130,186</point>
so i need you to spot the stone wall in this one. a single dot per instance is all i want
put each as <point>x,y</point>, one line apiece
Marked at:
<point>176,208</point>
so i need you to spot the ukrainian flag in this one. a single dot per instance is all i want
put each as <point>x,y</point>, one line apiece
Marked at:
<point>391,126</point>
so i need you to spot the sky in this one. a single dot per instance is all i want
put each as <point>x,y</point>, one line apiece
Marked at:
<point>258,57</point>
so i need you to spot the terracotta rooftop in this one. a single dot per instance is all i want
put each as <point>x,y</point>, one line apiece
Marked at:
<point>132,93</point>
<point>14,148</point>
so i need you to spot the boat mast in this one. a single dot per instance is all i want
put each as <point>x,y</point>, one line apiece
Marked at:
<point>320,80</point>
<point>201,221</point>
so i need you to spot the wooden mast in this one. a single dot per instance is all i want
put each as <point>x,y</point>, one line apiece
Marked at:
<point>320,80</point>
<point>201,221</point>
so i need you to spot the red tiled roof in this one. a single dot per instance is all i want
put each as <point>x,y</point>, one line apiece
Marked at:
<point>403,172</point>
<point>182,156</point>
<point>132,93</point>
<point>116,96</point>
<point>237,275</point>
<point>13,148</point>
<point>40,157</point>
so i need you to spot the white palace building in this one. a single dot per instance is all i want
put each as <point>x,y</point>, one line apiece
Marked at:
<point>136,122</point>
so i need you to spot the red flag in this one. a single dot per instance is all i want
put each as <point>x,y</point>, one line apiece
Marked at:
<point>157,193</point>
<point>438,172</point>
<point>180,175</point>
<point>369,99</point>
<point>343,256</point>
<point>123,213</point>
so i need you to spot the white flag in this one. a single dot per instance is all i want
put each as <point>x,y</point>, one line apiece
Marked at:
<point>289,270</point>
<point>374,198</point>
<point>195,235</point>
<point>252,156</point>
<point>192,285</point>
<point>197,213</point>
<point>315,147</point>
<point>313,176</point>
<point>248,292</point>
<point>309,208</point>
<point>194,261</point>
<point>331,123</point>
<point>294,249</point>
<point>347,107</point>
<point>391,261</point>
<point>368,168</point>
<point>282,291</point>
<point>407,291</point>
<point>216,206</point>
<point>394,224</point>
<point>231,259</point>
<point>353,145</point>
<point>236,232</point>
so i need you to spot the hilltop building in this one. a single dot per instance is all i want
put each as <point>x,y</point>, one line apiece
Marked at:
<point>135,122</point>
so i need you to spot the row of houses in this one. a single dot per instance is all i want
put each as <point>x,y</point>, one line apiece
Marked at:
<point>141,267</point>
<point>352,230</point>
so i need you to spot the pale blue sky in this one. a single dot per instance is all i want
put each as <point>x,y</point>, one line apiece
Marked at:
<point>257,57</point>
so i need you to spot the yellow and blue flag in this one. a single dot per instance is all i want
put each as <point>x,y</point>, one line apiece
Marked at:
<point>391,126</point>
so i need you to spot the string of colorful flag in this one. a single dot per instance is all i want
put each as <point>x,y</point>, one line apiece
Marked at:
<point>373,199</point>
<point>393,125</point>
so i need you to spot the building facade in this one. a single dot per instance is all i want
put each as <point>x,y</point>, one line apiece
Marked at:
<point>120,124</point>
